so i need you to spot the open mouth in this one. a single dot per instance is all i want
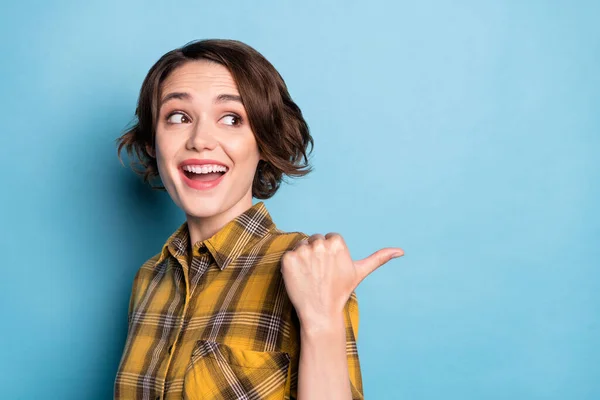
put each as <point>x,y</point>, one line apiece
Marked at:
<point>204,173</point>
<point>210,176</point>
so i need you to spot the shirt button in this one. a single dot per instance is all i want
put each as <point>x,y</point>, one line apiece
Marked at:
<point>203,249</point>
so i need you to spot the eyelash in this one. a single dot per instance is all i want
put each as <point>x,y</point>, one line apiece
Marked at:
<point>240,119</point>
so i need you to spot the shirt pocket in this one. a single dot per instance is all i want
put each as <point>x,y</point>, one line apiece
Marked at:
<point>221,372</point>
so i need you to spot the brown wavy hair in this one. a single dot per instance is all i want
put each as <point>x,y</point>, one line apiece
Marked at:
<point>281,133</point>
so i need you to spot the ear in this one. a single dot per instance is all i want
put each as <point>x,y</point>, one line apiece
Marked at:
<point>150,151</point>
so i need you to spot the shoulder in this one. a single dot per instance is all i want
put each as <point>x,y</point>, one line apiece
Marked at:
<point>146,270</point>
<point>271,247</point>
<point>149,266</point>
<point>141,280</point>
<point>282,241</point>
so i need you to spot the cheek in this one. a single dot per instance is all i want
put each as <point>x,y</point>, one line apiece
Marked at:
<point>165,151</point>
<point>243,151</point>
<point>165,147</point>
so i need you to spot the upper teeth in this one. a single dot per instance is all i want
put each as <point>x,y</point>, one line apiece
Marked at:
<point>205,169</point>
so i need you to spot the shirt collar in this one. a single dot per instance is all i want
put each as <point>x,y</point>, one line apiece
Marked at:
<point>229,242</point>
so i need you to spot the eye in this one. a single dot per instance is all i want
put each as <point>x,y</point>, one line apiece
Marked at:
<point>177,118</point>
<point>232,119</point>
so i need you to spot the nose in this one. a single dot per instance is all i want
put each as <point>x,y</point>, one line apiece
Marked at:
<point>201,137</point>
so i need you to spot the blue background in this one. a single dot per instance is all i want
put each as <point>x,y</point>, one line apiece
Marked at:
<point>466,133</point>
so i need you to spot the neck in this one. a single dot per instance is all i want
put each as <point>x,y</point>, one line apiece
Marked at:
<point>202,228</point>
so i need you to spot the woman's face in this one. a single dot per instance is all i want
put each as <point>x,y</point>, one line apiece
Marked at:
<point>202,119</point>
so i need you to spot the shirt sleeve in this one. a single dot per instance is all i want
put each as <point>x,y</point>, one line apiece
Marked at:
<point>135,293</point>
<point>351,320</point>
<point>139,285</point>
<point>132,297</point>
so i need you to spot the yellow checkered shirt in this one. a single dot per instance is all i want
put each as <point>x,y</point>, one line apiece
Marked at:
<point>219,324</point>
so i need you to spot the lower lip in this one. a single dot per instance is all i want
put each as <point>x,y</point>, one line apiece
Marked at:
<point>201,185</point>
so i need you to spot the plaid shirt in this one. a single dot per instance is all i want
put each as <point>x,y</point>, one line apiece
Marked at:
<point>219,326</point>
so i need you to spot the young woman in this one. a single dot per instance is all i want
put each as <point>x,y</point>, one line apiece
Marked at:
<point>232,307</point>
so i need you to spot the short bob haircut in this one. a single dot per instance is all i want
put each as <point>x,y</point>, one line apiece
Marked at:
<point>281,133</point>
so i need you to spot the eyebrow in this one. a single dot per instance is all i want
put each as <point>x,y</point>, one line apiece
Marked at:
<point>222,98</point>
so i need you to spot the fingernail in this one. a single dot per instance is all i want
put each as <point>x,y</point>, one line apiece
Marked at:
<point>397,254</point>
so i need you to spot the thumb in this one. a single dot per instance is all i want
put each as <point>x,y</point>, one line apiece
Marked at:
<point>367,265</point>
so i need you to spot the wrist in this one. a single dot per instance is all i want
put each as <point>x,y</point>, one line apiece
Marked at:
<point>322,325</point>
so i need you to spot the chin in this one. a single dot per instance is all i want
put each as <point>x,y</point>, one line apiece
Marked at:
<point>203,208</point>
<point>201,204</point>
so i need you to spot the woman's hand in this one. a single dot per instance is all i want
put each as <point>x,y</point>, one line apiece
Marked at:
<point>320,276</point>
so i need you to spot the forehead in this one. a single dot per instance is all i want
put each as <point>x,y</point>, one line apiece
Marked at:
<point>200,76</point>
